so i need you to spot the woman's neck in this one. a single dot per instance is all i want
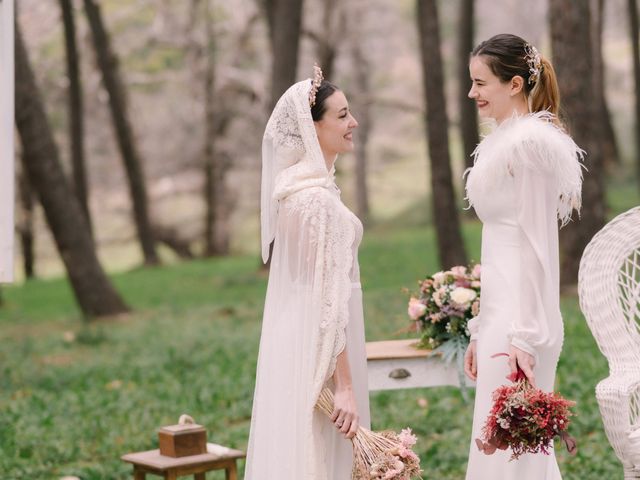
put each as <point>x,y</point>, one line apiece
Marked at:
<point>519,108</point>
<point>330,160</point>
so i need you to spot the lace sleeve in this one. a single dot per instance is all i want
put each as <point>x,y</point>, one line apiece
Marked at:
<point>320,235</point>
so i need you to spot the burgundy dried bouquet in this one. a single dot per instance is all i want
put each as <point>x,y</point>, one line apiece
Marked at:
<point>526,419</point>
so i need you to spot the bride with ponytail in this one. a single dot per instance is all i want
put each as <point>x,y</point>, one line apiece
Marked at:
<point>525,182</point>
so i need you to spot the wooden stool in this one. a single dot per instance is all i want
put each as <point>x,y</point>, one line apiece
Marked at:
<point>217,458</point>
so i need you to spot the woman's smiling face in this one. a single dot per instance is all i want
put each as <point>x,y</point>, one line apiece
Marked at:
<point>494,98</point>
<point>335,128</point>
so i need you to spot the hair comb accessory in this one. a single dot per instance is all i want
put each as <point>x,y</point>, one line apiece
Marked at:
<point>532,56</point>
<point>316,81</point>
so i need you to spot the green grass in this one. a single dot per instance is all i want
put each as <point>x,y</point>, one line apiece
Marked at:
<point>73,398</point>
<point>74,407</point>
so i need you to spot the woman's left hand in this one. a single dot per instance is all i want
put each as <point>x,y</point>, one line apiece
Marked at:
<point>524,360</point>
<point>345,412</point>
<point>471,360</point>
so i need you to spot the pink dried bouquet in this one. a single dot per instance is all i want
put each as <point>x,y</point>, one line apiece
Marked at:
<point>378,455</point>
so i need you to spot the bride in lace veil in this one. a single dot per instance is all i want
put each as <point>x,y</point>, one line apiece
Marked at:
<point>312,330</point>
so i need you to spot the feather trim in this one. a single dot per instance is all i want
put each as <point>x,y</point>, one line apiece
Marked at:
<point>531,141</point>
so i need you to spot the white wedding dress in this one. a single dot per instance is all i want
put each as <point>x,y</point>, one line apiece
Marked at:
<point>313,307</point>
<point>525,177</point>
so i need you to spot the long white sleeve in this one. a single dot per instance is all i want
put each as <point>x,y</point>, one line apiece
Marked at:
<point>538,320</point>
<point>474,328</point>
<point>316,235</point>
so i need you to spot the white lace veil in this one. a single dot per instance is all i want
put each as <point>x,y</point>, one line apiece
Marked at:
<point>306,312</point>
<point>291,156</point>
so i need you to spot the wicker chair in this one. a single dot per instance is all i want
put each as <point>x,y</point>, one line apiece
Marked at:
<point>609,289</point>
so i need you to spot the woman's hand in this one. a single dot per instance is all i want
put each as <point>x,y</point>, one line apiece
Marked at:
<point>524,360</point>
<point>471,361</point>
<point>345,412</point>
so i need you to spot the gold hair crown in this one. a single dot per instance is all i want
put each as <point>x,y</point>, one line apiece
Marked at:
<point>316,81</point>
<point>532,56</point>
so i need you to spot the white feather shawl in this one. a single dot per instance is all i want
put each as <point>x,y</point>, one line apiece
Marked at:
<point>531,141</point>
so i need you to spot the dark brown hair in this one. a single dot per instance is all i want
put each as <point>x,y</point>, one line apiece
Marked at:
<point>505,55</point>
<point>325,90</point>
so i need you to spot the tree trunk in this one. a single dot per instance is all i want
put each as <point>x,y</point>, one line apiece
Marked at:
<point>76,127</point>
<point>332,18</point>
<point>269,8</point>
<point>285,20</point>
<point>468,114</point>
<point>609,144</point>
<point>94,293</point>
<point>362,101</point>
<point>445,212</point>
<point>216,221</point>
<point>635,43</point>
<point>25,225</point>
<point>573,60</point>
<point>108,64</point>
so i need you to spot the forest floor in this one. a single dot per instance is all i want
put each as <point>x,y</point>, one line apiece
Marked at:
<point>74,397</point>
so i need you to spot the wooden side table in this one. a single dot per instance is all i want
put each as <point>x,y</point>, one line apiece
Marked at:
<point>396,364</point>
<point>216,458</point>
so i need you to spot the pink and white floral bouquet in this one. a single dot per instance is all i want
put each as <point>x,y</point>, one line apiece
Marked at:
<point>446,303</point>
<point>379,455</point>
<point>442,310</point>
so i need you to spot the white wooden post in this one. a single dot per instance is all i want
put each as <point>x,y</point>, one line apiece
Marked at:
<point>7,176</point>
